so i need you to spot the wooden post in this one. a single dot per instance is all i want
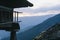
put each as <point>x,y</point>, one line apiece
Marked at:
<point>13,35</point>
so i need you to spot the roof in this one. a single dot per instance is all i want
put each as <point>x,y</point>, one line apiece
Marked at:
<point>15,3</point>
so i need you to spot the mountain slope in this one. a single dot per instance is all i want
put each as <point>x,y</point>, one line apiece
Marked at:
<point>29,22</point>
<point>53,33</point>
<point>30,34</point>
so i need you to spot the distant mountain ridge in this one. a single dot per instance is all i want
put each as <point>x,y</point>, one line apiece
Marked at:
<point>29,22</point>
<point>53,33</point>
<point>31,33</point>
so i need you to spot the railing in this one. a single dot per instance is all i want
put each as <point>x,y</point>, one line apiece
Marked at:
<point>16,16</point>
<point>14,13</point>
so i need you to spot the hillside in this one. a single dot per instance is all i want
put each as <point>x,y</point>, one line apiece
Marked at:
<point>53,33</point>
<point>31,33</point>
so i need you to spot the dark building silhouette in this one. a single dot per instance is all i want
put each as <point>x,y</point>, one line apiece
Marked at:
<point>6,15</point>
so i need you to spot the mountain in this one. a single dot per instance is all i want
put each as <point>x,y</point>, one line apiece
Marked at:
<point>31,33</point>
<point>53,33</point>
<point>29,22</point>
<point>35,30</point>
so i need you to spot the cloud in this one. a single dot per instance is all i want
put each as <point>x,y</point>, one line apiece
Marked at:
<point>41,6</point>
<point>45,9</point>
<point>38,10</point>
<point>44,3</point>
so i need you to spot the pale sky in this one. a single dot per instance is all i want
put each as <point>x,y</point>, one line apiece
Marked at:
<point>41,7</point>
<point>44,3</point>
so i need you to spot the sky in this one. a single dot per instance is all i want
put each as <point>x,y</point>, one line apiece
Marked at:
<point>41,7</point>
<point>44,3</point>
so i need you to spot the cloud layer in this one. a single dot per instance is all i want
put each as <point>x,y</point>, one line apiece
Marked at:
<point>44,3</point>
<point>41,9</point>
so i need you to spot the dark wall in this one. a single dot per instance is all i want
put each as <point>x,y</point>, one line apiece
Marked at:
<point>6,16</point>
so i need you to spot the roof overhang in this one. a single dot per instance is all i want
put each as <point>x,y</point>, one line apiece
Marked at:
<point>15,3</point>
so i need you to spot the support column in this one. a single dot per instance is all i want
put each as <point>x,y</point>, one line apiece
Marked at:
<point>13,35</point>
